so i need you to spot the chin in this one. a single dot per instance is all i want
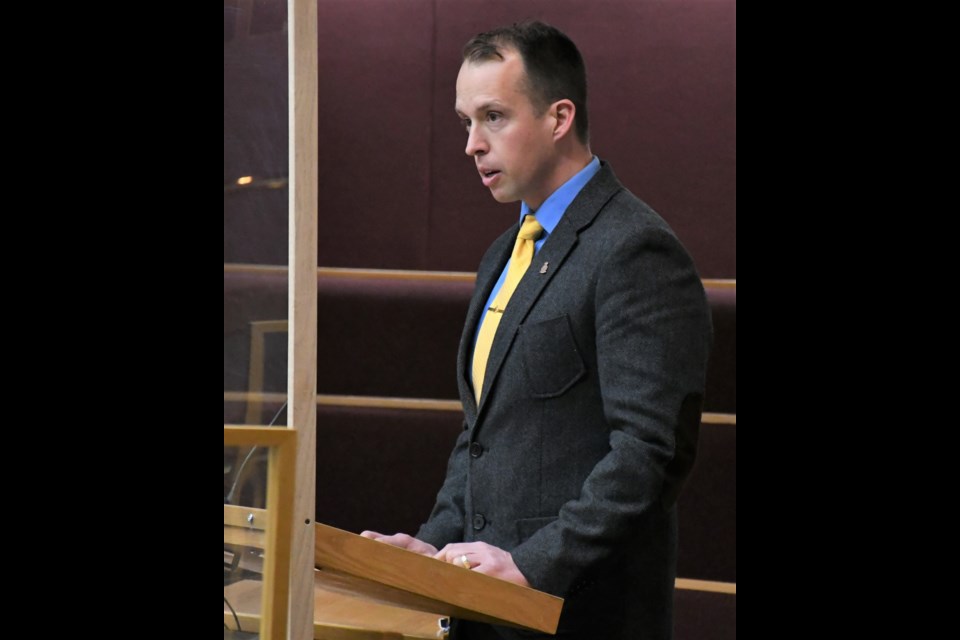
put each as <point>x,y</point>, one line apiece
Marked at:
<point>504,198</point>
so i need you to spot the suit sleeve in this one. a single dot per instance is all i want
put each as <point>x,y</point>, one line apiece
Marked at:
<point>652,339</point>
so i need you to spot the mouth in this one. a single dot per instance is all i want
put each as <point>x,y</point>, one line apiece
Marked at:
<point>488,176</point>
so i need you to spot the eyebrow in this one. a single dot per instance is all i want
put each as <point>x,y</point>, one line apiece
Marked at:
<point>486,106</point>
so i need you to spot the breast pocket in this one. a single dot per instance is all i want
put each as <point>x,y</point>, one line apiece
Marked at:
<point>551,359</point>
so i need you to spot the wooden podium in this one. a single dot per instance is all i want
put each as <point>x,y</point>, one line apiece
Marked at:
<point>375,572</point>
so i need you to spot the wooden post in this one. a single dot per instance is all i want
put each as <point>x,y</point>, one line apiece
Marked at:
<point>302,301</point>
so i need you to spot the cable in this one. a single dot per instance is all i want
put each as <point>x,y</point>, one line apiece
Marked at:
<point>229,497</point>
<point>236,618</point>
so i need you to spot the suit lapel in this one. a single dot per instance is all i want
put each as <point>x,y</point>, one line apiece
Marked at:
<point>486,277</point>
<point>554,252</point>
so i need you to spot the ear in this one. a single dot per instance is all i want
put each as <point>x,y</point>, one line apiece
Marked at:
<point>563,112</point>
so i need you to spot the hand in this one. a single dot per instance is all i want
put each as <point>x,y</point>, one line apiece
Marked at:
<point>403,541</point>
<point>483,558</point>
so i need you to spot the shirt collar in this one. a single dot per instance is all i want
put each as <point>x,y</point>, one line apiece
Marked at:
<point>550,212</point>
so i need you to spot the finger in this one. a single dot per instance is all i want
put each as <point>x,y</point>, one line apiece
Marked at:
<point>401,540</point>
<point>453,551</point>
<point>460,555</point>
<point>442,554</point>
<point>464,560</point>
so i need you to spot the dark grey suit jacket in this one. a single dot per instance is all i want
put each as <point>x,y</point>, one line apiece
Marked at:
<point>589,415</point>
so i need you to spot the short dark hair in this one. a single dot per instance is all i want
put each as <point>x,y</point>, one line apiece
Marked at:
<point>554,67</point>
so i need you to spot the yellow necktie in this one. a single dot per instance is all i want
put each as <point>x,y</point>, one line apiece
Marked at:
<point>523,252</point>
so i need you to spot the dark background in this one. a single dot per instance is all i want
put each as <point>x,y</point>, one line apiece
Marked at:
<point>395,187</point>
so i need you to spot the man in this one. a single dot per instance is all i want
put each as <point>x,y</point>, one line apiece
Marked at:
<point>581,376</point>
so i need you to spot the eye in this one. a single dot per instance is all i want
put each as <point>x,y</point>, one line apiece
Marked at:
<point>493,116</point>
<point>465,123</point>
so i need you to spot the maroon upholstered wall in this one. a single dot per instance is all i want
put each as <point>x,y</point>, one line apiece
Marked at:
<point>397,191</point>
<point>375,85</point>
<point>662,107</point>
<point>398,337</point>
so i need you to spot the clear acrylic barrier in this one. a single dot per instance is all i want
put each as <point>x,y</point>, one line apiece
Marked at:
<point>255,210</point>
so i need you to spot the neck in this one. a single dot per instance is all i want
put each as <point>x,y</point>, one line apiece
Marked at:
<point>573,162</point>
<point>568,164</point>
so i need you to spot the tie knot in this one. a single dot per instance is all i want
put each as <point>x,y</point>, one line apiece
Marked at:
<point>531,229</point>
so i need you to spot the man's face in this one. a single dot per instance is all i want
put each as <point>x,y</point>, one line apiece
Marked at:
<point>511,145</point>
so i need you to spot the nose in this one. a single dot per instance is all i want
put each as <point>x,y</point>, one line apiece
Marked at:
<point>476,144</point>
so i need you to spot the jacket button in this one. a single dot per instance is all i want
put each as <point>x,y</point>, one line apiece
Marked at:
<point>476,450</point>
<point>479,522</point>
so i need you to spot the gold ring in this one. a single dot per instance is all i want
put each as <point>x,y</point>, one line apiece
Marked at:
<point>464,561</point>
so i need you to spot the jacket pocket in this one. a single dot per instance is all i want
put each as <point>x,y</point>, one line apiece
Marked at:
<point>551,359</point>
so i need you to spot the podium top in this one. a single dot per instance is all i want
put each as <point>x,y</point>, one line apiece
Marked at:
<point>348,563</point>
